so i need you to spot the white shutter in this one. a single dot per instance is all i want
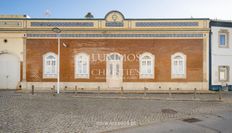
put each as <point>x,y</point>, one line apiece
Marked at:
<point>49,65</point>
<point>146,65</point>
<point>82,64</point>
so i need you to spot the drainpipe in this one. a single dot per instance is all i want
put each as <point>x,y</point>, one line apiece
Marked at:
<point>210,56</point>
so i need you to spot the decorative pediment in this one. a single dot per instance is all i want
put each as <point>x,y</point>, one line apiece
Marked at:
<point>114,19</point>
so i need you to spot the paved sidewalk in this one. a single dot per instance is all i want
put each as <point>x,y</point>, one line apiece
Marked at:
<point>92,113</point>
<point>217,123</point>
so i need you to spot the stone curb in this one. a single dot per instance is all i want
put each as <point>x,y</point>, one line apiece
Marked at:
<point>148,98</point>
<point>124,92</point>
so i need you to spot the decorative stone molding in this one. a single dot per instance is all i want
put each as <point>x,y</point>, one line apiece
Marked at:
<point>10,24</point>
<point>167,24</point>
<point>116,35</point>
<point>225,32</point>
<point>62,24</point>
<point>114,19</point>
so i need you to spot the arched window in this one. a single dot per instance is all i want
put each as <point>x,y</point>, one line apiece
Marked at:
<point>82,65</point>
<point>178,65</point>
<point>50,65</point>
<point>146,61</point>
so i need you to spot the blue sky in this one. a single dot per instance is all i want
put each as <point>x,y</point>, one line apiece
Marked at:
<point>220,9</point>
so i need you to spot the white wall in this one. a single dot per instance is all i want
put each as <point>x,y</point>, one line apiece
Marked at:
<point>220,56</point>
<point>14,44</point>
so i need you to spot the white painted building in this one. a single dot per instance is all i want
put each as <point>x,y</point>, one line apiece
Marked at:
<point>11,50</point>
<point>221,54</point>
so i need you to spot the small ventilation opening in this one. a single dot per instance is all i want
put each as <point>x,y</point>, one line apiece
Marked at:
<point>5,40</point>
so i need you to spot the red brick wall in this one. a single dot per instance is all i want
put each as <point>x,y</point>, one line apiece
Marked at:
<point>161,48</point>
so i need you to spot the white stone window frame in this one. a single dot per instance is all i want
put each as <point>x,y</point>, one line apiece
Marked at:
<point>45,74</point>
<point>226,70</point>
<point>115,59</point>
<point>184,59</point>
<point>226,33</point>
<point>82,75</point>
<point>147,76</point>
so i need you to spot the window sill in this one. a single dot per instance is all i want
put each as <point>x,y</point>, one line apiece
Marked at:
<point>146,76</point>
<point>178,77</point>
<point>49,77</point>
<point>82,77</point>
<point>223,81</point>
<point>226,46</point>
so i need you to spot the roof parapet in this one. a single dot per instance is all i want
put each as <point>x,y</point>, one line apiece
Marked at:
<point>14,16</point>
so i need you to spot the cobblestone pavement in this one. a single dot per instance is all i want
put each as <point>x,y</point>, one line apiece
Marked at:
<point>42,112</point>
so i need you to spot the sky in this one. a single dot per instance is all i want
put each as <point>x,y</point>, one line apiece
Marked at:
<point>214,9</point>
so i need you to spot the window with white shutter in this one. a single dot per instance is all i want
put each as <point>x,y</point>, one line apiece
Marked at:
<point>178,65</point>
<point>223,73</point>
<point>146,61</point>
<point>82,65</point>
<point>50,65</point>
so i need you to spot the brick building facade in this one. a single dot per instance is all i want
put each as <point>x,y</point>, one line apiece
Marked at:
<point>113,52</point>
